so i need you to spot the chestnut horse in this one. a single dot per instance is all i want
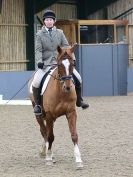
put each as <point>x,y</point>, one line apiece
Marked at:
<point>59,99</point>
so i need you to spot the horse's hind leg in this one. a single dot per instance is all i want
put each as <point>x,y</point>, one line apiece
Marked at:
<point>43,133</point>
<point>72,117</point>
<point>50,138</point>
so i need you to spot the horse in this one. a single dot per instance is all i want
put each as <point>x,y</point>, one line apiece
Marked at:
<point>59,99</point>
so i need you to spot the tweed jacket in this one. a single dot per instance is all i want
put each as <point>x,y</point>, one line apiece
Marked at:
<point>46,46</point>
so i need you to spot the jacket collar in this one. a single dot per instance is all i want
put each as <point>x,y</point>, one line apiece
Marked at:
<point>46,32</point>
<point>45,29</point>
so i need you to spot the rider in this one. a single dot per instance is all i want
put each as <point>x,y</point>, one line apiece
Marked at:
<point>47,41</point>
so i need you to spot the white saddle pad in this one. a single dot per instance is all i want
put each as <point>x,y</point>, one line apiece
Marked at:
<point>45,82</point>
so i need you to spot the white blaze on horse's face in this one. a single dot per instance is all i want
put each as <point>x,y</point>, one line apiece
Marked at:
<point>66,63</point>
<point>67,84</point>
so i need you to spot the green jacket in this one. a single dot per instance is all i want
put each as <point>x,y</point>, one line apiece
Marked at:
<point>46,46</point>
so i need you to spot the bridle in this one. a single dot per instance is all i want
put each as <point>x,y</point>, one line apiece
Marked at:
<point>59,77</point>
<point>63,78</point>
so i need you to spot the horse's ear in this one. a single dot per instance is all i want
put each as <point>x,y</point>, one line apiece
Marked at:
<point>59,49</point>
<point>70,43</point>
<point>72,48</point>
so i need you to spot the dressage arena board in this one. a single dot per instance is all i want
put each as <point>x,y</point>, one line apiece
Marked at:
<point>105,139</point>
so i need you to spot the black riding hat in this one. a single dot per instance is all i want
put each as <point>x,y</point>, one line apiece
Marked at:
<point>49,14</point>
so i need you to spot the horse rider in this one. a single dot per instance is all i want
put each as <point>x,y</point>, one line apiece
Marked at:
<point>47,41</point>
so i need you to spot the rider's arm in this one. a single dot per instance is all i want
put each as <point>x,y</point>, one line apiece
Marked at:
<point>38,49</point>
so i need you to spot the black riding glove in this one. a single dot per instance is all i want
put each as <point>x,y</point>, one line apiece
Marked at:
<point>74,62</point>
<point>40,65</point>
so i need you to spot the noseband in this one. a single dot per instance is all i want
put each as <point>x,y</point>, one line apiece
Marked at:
<point>63,78</point>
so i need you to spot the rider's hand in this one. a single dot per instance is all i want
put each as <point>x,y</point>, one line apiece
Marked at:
<point>74,62</point>
<point>40,65</point>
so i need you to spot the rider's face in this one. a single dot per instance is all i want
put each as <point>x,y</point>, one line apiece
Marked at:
<point>49,22</point>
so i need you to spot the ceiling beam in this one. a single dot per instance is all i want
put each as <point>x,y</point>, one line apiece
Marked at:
<point>85,7</point>
<point>0,6</point>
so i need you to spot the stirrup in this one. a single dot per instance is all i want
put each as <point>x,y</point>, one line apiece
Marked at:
<point>38,110</point>
<point>84,105</point>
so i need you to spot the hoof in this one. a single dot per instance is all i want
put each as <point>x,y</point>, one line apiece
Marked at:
<point>53,160</point>
<point>79,166</point>
<point>49,162</point>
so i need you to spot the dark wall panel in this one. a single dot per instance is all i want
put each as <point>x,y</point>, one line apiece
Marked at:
<point>103,69</point>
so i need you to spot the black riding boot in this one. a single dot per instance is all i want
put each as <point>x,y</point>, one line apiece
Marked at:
<point>80,102</point>
<point>37,99</point>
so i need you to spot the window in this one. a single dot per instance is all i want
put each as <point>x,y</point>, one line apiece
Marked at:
<point>0,6</point>
<point>96,34</point>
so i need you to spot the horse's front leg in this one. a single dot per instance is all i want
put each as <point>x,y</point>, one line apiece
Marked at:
<point>50,138</point>
<point>72,117</point>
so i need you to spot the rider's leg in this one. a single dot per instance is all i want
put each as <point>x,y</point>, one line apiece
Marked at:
<point>36,90</point>
<point>78,81</point>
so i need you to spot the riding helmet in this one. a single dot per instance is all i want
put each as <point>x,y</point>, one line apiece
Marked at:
<point>49,14</point>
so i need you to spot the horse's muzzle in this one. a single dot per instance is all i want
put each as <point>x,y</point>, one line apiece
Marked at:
<point>66,88</point>
<point>66,83</point>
